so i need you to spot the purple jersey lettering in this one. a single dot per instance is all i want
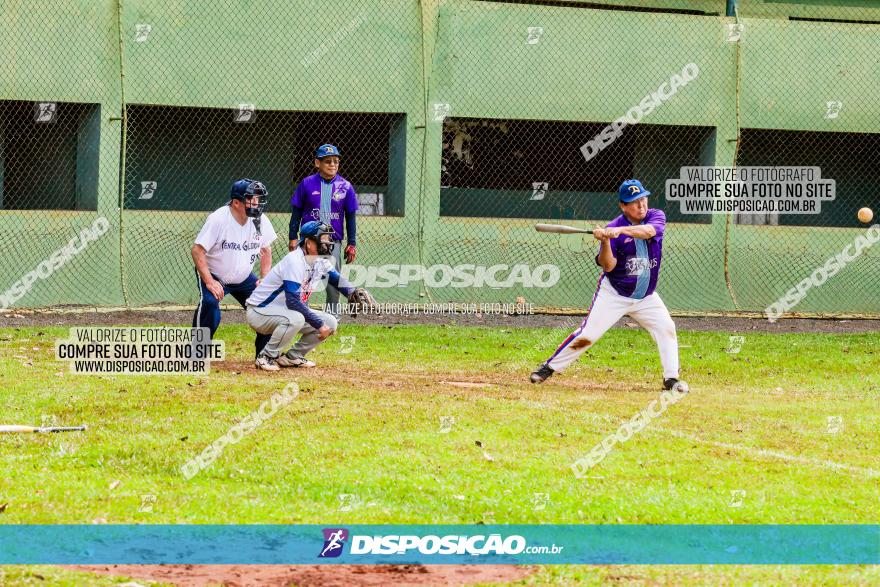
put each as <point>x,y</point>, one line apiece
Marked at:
<point>307,197</point>
<point>635,260</point>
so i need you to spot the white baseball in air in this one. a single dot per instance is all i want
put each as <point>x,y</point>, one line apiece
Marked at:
<point>865,215</point>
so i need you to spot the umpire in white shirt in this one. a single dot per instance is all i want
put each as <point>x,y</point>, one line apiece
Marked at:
<point>231,240</point>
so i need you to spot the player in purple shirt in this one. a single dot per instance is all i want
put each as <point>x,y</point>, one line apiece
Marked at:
<point>327,197</point>
<point>630,251</point>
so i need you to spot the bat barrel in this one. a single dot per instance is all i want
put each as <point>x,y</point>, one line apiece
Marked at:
<point>63,429</point>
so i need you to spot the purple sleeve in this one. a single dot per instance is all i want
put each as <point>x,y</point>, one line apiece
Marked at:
<point>657,219</point>
<point>351,201</point>
<point>296,201</point>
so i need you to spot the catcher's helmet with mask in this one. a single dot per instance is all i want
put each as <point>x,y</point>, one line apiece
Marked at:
<point>315,231</point>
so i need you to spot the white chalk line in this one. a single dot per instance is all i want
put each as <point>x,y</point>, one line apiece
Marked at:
<point>775,454</point>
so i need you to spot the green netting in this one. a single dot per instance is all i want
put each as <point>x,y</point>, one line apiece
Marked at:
<point>59,149</point>
<point>462,124</point>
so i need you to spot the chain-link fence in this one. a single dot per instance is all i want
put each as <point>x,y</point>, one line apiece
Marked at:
<point>461,125</point>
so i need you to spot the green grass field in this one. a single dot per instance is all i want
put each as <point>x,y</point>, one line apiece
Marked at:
<point>438,424</point>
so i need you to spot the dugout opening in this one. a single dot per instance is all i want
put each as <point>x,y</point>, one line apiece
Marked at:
<point>539,169</point>
<point>183,158</point>
<point>49,155</point>
<point>849,158</point>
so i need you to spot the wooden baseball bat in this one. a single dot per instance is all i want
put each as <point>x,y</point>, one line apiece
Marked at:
<point>13,429</point>
<point>562,229</point>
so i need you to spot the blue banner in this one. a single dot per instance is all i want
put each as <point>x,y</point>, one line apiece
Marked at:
<point>439,544</point>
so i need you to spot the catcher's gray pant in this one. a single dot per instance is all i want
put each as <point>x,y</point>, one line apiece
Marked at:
<point>607,308</point>
<point>332,305</point>
<point>282,324</point>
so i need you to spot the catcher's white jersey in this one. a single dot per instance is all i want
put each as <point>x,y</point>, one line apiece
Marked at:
<point>292,268</point>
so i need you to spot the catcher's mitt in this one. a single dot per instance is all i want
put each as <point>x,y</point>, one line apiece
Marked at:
<point>361,300</point>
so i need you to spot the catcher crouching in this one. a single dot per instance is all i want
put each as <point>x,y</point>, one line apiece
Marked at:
<point>279,305</point>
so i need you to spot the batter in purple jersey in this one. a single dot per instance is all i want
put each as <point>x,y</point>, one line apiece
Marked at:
<point>638,260</point>
<point>630,253</point>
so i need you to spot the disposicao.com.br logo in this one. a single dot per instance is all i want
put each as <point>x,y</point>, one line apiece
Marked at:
<point>334,540</point>
<point>393,544</point>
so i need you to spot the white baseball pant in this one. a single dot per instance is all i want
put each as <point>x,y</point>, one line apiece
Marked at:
<point>606,309</point>
<point>283,324</point>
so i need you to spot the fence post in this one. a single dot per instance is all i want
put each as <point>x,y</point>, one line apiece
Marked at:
<point>124,124</point>
<point>728,219</point>
<point>432,137</point>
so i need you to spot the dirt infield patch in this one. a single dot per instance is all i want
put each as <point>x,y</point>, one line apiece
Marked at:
<point>315,575</point>
<point>93,317</point>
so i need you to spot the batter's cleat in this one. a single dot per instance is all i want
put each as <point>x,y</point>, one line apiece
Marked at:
<point>292,359</point>
<point>266,363</point>
<point>541,374</point>
<point>673,384</point>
